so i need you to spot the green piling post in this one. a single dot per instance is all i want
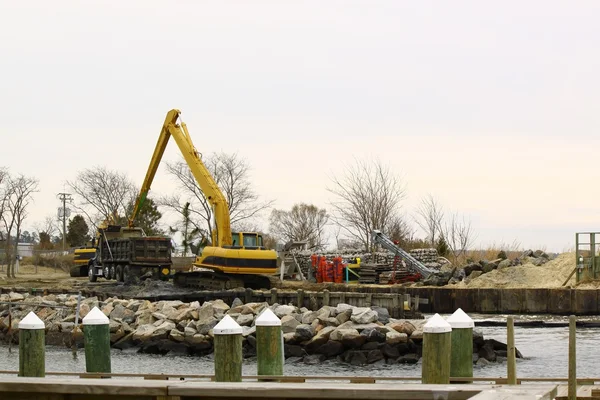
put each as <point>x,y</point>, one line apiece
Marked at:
<point>461,354</point>
<point>228,350</point>
<point>32,346</point>
<point>436,351</point>
<point>96,337</point>
<point>572,388</point>
<point>269,344</point>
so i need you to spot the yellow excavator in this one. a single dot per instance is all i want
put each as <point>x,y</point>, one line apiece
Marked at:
<point>234,259</point>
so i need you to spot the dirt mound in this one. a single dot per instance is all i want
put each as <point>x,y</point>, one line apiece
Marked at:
<point>549,275</point>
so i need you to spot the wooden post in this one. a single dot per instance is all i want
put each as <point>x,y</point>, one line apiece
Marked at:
<point>395,306</point>
<point>32,347</point>
<point>325,297</point>
<point>269,344</point>
<point>249,295</point>
<point>368,299</point>
<point>228,350</point>
<point>437,339</point>
<point>96,337</point>
<point>300,295</point>
<point>511,361</point>
<point>273,296</point>
<point>461,358</point>
<point>572,392</point>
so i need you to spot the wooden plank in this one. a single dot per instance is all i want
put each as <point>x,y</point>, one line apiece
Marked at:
<point>375,391</point>
<point>125,387</point>
<point>519,392</point>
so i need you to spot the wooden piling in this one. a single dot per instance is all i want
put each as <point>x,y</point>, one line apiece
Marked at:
<point>96,337</point>
<point>437,339</point>
<point>228,350</point>
<point>274,296</point>
<point>269,344</point>
<point>325,297</point>
<point>572,388</point>
<point>511,361</point>
<point>32,347</point>
<point>300,298</point>
<point>461,357</point>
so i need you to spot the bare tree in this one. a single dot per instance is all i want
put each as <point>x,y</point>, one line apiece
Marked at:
<point>458,234</point>
<point>302,222</point>
<point>399,230</point>
<point>232,175</point>
<point>430,218</point>
<point>103,194</point>
<point>368,196</point>
<point>20,191</point>
<point>4,194</point>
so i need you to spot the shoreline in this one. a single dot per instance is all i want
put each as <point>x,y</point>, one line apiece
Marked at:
<point>345,333</point>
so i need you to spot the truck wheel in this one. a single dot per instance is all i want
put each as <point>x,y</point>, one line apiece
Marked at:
<point>119,273</point>
<point>112,272</point>
<point>91,276</point>
<point>106,272</point>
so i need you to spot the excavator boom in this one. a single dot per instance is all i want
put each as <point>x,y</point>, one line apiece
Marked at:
<point>222,236</point>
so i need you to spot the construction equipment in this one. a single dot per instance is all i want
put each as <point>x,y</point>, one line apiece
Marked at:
<point>412,263</point>
<point>126,254</point>
<point>233,259</point>
<point>82,257</point>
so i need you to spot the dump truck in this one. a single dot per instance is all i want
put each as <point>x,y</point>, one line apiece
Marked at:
<point>126,254</point>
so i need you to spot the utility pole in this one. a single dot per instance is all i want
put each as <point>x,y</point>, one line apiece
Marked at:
<point>64,197</point>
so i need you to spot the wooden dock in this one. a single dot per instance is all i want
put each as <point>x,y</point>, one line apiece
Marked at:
<point>13,388</point>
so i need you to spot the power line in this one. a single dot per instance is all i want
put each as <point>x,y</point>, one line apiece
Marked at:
<point>64,197</point>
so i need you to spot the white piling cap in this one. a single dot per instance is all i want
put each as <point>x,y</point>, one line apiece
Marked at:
<point>267,318</point>
<point>95,317</point>
<point>437,324</point>
<point>31,321</point>
<point>460,320</point>
<point>227,326</point>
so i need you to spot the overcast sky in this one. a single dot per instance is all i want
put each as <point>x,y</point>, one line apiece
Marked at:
<point>490,107</point>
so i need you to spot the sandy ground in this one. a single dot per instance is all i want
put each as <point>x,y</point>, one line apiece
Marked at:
<point>550,275</point>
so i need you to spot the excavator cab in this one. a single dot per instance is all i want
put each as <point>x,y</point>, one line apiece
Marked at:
<point>247,240</point>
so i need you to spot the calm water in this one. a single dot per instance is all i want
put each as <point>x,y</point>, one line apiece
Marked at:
<point>544,349</point>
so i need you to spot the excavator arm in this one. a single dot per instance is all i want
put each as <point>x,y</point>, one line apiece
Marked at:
<point>221,236</point>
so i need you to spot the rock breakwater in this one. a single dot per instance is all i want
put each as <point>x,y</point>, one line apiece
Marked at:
<point>353,335</point>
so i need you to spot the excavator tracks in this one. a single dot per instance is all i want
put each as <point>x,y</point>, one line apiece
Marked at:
<point>209,280</point>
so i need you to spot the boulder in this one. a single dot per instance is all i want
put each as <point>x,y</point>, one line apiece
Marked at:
<point>405,327</point>
<point>245,319</point>
<point>472,276</point>
<point>373,335</point>
<point>220,306</point>
<point>14,296</point>
<point>291,350</point>
<point>370,346</point>
<point>393,337</point>
<point>282,311</point>
<point>304,332</point>
<point>237,302</point>
<point>344,316</point>
<point>206,314</point>
<point>351,338</point>
<point>309,317</point>
<point>143,332</point>
<point>487,352</point>
<point>374,356</point>
<point>408,359</point>
<point>390,351</point>
<point>331,348</point>
<point>489,267</point>
<point>383,315</point>
<point>176,335</point>
<point>289,324</point>
<point>204,327</point>
<point>504,264</point>
<point>342,307</point>
<point>319,339</point>
<point>363,316</point>
<point>356,358</point>
<point>163,329</point>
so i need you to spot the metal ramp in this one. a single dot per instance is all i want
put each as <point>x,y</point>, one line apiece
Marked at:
<point>412,263</point>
